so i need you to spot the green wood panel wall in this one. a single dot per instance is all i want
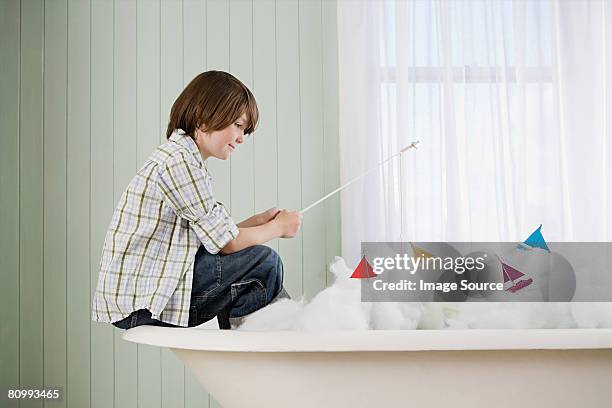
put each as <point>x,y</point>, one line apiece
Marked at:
<point>10,46</point>
<point>102,202</point>
<point>31,184</point>
<point>86,88</point>
<point>79,215</point>
<point>289,136</point>
<point>54,267</point>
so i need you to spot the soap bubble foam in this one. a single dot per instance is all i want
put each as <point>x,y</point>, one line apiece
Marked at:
<point>339,307</point>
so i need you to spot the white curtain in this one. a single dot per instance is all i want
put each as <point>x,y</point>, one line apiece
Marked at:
<point>509,100</point>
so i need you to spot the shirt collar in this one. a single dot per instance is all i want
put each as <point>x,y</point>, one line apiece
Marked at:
<point>179,136</point>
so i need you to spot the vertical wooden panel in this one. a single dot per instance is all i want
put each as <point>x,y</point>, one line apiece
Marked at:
<point>148,135</point>
<point>217,58</point>
<point>171,58</point>
<point>31,333</point>
<point>124,142</point>
<point>194,39</point>
<point>148,79</point>
<point>288,128</point>
<point>194,63</point>
<point>9,195</point>
<point>171,54</point>
<point>217,34</point>
<point>101,193</point>
<point>264,88</point>
<point>78,215</point>
<point>124,101</point>
<point>330,132</point>
<point>313,156</point>
<point>172,369</point>
<point>241,66</point>
<point>54,194</point>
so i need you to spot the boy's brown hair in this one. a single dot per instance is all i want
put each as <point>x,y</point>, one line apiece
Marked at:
<point>214,99</point>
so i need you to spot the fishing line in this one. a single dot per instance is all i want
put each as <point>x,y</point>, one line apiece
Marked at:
<point>348,183</point>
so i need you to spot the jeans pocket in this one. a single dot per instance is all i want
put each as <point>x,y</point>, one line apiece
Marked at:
<point>248,296</point>
<point>249,285</point>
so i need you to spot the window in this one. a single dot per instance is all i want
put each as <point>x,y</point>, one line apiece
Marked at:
<point>471,41</point>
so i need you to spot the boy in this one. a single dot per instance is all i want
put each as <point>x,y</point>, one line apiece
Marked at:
<point>172,255</point>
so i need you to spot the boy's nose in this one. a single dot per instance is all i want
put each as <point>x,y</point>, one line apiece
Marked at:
<point>240,139</point>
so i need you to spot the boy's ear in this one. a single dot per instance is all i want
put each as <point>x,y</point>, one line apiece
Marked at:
<point>201,128</point>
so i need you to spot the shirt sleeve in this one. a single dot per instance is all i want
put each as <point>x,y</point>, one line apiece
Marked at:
<point>186,189</point>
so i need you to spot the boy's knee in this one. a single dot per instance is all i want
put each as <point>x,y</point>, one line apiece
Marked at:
<point>274,270</point>
<point>269,255</point>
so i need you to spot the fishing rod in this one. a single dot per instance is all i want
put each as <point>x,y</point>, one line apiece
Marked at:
<point>348,183</point>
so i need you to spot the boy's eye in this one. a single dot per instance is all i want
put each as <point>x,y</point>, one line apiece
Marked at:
<point>238,124</point>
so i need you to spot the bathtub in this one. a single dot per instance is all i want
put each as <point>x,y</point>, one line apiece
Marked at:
<point>408,368</point>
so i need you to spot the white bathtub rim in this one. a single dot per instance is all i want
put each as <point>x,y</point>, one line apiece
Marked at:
<point>369,340</point>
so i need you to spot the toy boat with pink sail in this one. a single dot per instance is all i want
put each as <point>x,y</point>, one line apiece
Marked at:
<point>512,281</point>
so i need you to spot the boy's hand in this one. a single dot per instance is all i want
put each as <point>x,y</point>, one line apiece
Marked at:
<point>289,223</point>
<point>268,215</point>
<point>259,219</point>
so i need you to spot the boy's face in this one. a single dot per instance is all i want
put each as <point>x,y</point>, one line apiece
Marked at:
<point>221,143</point>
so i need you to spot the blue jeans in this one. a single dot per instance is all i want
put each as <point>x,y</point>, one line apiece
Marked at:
<point>226,286</point>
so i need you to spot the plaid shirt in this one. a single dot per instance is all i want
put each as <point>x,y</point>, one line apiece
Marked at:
<point>166,212</point>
